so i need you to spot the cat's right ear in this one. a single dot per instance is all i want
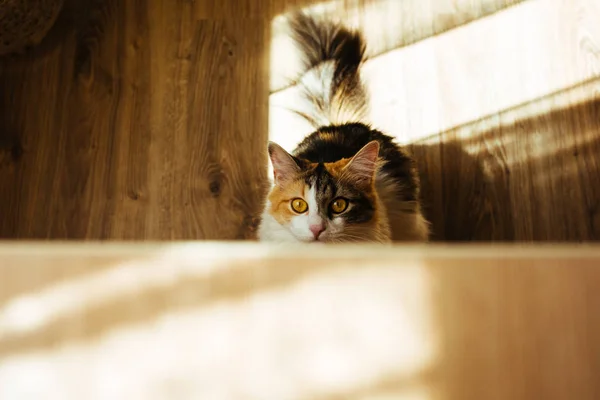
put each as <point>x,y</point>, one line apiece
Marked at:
<point>284,165</point>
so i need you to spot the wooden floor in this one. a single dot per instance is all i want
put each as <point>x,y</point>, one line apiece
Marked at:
<point>149,119</point>
<point>235,321</point>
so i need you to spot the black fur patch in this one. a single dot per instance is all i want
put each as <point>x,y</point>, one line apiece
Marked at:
<point>333,143</point>
<point>327,189</point>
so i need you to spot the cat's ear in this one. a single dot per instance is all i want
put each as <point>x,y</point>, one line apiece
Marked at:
<point>284,165</point>
<point>363,165</point>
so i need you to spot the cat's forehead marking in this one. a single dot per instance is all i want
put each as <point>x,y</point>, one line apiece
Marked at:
<point>311,198</point>
<point>322,182</point>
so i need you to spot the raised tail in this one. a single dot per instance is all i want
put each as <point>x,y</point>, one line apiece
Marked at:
<point>332,55</point>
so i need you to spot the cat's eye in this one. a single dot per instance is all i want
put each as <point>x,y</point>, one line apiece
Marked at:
<point>299,205</point>
<point>339,205</point>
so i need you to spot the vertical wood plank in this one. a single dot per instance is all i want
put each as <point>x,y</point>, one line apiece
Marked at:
<point>141,122</point>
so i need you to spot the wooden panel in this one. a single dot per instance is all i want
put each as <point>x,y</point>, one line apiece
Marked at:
<point>148,120</point>
<point>503,122</point>
<point>135,120</point>
<point>471,72</point>
<point>386,25</point>
<point>530,173</point>
<point>244,321</point>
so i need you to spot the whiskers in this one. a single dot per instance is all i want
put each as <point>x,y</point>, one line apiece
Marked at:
<point>358,235</point>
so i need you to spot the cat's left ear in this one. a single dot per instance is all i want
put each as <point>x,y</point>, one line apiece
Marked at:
<point>363,165</point>
<point>284,164</point>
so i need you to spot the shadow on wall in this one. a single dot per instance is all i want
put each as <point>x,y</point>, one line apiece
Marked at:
<point>521,175</point>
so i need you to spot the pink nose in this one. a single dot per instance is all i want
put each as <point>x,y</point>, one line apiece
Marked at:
<point>316,230</point>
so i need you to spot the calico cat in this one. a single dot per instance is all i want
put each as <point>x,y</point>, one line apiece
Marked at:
<point>345,182</point>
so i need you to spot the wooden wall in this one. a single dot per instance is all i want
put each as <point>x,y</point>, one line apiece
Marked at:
<point>136,120</point>
<point>148,120</point>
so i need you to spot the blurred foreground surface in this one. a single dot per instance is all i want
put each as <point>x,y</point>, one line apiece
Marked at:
<point>218,320</point>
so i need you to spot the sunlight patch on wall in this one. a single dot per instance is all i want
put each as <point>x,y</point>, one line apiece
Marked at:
<point>522,53</point>
<point>539,145</point>
<point>386,24</point>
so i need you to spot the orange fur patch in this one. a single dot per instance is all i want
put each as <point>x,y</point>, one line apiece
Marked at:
<point>335,168</point>
<point>280,200</point>
<point>328,136</point>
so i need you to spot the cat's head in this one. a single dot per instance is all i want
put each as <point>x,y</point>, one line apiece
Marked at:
<point>327,202</point>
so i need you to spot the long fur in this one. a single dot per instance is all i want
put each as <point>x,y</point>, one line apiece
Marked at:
<point>331,55</point>
<point>336,104</point>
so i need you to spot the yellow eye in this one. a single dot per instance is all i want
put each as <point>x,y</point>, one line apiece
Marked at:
<point>299,206</point>
<point>339,205</point>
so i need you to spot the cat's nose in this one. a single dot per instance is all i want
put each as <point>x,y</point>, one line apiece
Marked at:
<point>317,229</point>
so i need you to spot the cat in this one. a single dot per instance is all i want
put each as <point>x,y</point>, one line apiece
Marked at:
<point>345,182</point>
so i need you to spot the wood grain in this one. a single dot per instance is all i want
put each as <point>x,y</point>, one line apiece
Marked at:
<point>243,321</point>
<point>386,25</point>
<point>148,120</point>
<point>140,122</point>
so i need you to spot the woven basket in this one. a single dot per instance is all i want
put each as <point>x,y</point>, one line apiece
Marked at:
<point>24,23</point>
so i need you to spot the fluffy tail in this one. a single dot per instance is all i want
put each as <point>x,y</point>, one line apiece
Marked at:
<point>332,55</point>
